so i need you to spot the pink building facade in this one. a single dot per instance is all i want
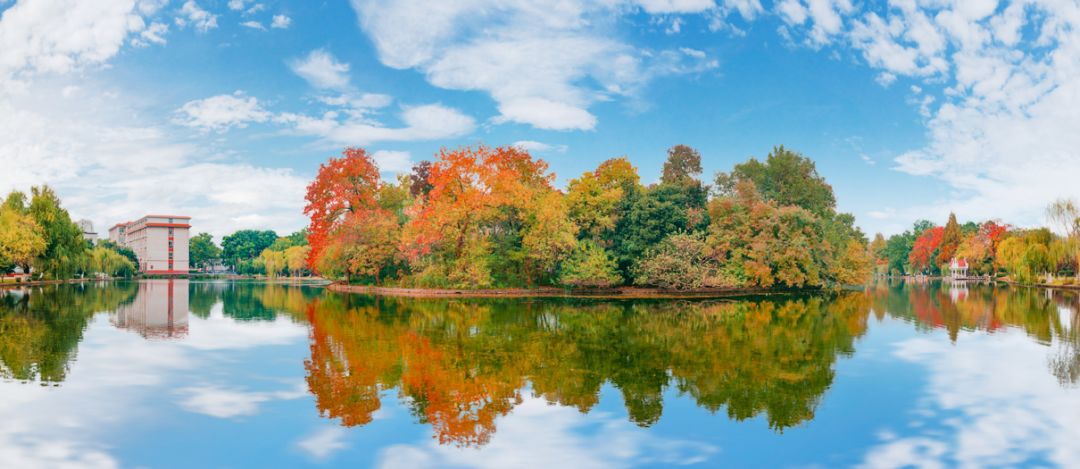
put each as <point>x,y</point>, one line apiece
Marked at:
<point>159,241</point>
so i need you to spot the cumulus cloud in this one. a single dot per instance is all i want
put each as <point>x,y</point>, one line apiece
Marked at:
<point>543,65</point>
<point>280,22</point>
<point>200,19</point>
<point>221,112</point>
<point>540,147</point>
<point>322,70</point>
<point>58,36</point>
<point>324,442</point>
<point>424,122</point>
<point>393,161</point>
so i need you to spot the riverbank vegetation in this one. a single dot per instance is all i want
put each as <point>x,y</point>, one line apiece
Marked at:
<point>990,248</point>
<point>37,236</point>
<point>481,217</point>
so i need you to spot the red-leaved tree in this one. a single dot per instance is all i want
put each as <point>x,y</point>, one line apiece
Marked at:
<point>925,248</point>
<point>343,186</point>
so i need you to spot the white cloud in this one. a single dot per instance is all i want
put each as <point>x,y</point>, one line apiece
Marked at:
<point>425,122</point>
<point>323,443</point>
<point>280,22</point>
<point>229,403</point>
<point>321,70</point>
<point>253,25</point>
<point>153,34</point>
<point>199,18</point>
<point>538,62</point>
<point>393,161</point>
<point>221,112</point>
<point>1011,419</point>
<point>676,6</point>
<point>58,36</point>
<point>540,147</point>
<point>538,434</point>
<point>236,5</point>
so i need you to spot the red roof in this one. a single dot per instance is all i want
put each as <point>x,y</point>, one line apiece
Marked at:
<point>961,263</point>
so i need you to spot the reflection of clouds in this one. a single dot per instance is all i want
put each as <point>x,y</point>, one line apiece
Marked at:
<point>222,402</point>
<point>117,379</point>
<point>324,442</point>
<point>537,434</point>
<point>220,332</point>
<point>999,406</point>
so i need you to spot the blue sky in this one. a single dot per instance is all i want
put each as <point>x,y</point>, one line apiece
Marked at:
<point>224,109</point>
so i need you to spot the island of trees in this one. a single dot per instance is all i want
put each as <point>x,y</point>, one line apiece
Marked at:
<point>482,217</point>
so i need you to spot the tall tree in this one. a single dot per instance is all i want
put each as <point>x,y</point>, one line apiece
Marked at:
<point>786,177</point>
<point>245,245</point>
<point>21,239</point>
<point>65,247</point>
<point>683,166</point>
<point>596,200</point>
<point>950,240</point>
<point>201,249</point>
<point>1066,215</point>
<point>346,185</point>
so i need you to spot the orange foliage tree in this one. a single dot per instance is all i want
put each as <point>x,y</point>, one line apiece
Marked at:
<point>343,186</point>
<point>925,248</point>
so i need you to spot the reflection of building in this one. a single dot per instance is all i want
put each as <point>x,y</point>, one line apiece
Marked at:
<point>159,241</point>
<point>88,232</point>
<point>160,310</point>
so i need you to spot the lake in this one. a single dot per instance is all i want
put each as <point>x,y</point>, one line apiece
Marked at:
<point>182,373</point>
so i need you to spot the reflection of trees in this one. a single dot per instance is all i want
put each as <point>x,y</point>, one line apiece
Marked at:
<point>1048,316</point>
<point>40,328</point>
<point>250,301</point>
<point>461,364</point>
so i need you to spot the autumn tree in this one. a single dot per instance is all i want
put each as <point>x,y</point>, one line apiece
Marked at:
<point>21,238</point>
<point>597,199</point>
<point>683,166</point>
<point>64,244</point>
<point>590,266</point>
<point>950,240</point>
<point>926,249</point>
<point>343,186</point>
<point>1066,215</point>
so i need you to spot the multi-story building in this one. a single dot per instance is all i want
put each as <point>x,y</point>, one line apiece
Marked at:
<point>88,232</point>
<point>159,310</point>
<point>159,241</point>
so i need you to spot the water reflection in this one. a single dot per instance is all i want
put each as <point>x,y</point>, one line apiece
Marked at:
<point>40,328</point>
<point>159,310</point>
<point>462,364</point>
<point>1048,316</point>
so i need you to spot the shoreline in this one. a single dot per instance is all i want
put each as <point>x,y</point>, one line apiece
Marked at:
<point>553,292</point>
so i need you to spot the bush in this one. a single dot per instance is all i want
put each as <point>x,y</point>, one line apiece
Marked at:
<point>590,266</point>
<point>680,262</point>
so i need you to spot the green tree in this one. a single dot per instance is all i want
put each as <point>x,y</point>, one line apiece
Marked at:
<point>654,214</point>
<point>590,266</point>
<point>65,246</point>
<point>786,177</point>
<point>202,249</point>
<point>680,262</point>
<point>245,245</point>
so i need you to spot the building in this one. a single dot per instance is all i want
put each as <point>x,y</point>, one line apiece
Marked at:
<point>958,268</point>
<point>160,242</point>
<point>88,232</point>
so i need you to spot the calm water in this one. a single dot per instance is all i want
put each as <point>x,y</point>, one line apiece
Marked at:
<point>179,374</point>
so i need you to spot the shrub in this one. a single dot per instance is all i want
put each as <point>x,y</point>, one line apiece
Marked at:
<point>590,266</point>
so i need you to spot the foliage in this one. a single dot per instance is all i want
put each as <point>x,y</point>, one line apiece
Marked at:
<point>64,245</point>
<point>296,259</point>
<point>242,247</point>
<point>109,262</point>
<point>21,239</point>
<point>951,238</point>
<point>201,250</point>
<point>680,262</point>
<point>786,177</point>
<point>346,185</point>
<point>926,249</point>
<point>273,262</point>
<point>590,266</point>
<point>596,200</point>
<point>683,166</point>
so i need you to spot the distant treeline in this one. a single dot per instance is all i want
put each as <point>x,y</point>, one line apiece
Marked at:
<point>988,248</point>
<point>479,217</point>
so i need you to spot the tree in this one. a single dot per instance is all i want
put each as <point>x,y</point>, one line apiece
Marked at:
<point>654,214</point>
<point>549,236</point>
<point>786,177</point>
<point>590,266</point>
<point>683,166</point>
<point>64,244</point>
<point>419,180</point>
<point>926,249</point>
<point>1066,215</point>
<point>343,186</point>
<point>296,259</point>
<point>950,240</point>
<point>681,262</point>
<point>273,262</point>
<point>245,245</point>
<point>122,250</point>
<point>21,238</point>
<point>362,246</point>
<point>109,262</point>
<point>201,250</point>
<point>596,200</point>
<point>879,254</point>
